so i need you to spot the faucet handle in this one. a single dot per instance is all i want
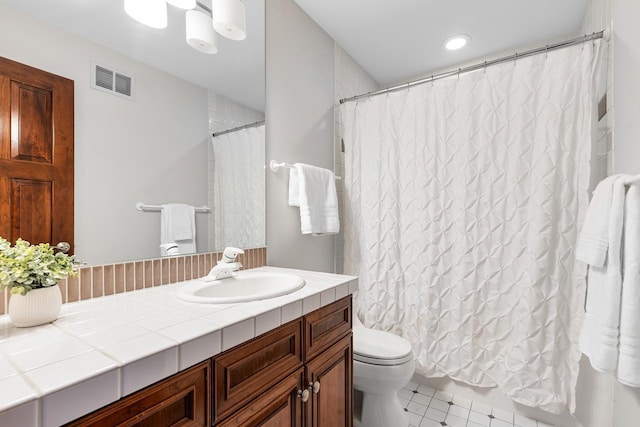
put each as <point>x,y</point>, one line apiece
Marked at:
<point>230,253</point>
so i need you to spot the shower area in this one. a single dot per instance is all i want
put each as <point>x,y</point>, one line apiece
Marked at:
<point>463,199</point>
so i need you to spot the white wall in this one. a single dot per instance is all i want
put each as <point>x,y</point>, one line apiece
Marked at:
<point>152,150</point>
<point>626,37</point>
<point>299,116</point>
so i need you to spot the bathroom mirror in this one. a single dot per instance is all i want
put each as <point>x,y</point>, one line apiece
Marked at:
<point>154,145</point>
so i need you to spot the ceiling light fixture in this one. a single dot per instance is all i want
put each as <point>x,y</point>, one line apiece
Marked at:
<point>456,42</point>
<point>200,33</point>
<point>152,13</point>
<point>183,4</point>
<point>229,18</point>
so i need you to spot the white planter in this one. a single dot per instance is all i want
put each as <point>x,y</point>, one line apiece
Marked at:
<point>37,307</point>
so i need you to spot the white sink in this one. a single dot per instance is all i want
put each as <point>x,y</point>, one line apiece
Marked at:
<point>241,287</point>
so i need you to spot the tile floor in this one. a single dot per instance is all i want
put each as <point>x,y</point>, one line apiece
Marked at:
<point>428,407</point>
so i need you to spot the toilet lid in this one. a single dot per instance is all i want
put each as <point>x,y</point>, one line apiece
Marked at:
<point>380,347</point>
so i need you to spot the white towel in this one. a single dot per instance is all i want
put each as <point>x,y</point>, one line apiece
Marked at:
<point>594,237</point>
<point>178,225</point>
<point>599,334</point>
<point>629,347</point>
<point>294,187</point>
<point>317,198</point>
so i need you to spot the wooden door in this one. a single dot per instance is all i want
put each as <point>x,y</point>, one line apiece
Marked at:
<point>329,378</point>
<point>36,155</point>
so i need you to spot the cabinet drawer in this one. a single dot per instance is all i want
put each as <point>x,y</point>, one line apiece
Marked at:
<point>244,372</point>
<point>325,326</point>
<point>181,400</point>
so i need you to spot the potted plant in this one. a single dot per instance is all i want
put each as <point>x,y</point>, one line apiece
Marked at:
<point>32,273</point>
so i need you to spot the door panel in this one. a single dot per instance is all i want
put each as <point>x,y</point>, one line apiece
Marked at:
<point>36,155</point>
<point>331,404</point>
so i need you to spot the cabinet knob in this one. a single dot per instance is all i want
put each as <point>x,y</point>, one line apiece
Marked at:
<point>62,247</point>
<point>315,387</point>
<point>303,395</point>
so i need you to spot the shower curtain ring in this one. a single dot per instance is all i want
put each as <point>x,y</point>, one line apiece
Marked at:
<point>485,67</point>
<point>515,58</point>
<point>458,74</point>
<point>546,51</point>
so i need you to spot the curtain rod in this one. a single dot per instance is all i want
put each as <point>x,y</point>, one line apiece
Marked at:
<point>479,66</point>
<point>251,125</point>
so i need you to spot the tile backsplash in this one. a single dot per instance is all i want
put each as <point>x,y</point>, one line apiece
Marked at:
<point>101,280</point>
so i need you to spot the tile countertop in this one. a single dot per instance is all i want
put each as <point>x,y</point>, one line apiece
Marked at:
<point>102,349</point>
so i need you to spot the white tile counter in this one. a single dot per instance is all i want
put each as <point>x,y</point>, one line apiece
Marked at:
<point>102,349</point>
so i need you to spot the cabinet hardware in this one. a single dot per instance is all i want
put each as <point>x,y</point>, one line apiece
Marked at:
<point>315,387</point>
<point>303,395</point>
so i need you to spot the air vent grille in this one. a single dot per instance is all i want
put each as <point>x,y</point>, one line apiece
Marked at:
<point>104,78</point>
<point>107,80</point>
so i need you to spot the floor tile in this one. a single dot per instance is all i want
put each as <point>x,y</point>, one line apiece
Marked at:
<point>502,415</point>
<point>439,405</point>
<point>435,415</point>
<point>459,411</point>
<point>416,408</point>
<point>421,399</point>
<point>427,407</point>
<point>430,423</point>
<point>481,408</point>
<point>454,421</point>
<point>426,390</point>
<point>496,422</point>
<point>443,395</point>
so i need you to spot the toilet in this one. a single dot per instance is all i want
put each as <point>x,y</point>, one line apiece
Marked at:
<point>382,364</point>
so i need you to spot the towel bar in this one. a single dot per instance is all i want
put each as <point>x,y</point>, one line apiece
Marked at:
<point>149,208</point>
<point>275,167</point>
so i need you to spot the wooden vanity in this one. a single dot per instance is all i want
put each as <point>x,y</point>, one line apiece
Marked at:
<point>299,374</point>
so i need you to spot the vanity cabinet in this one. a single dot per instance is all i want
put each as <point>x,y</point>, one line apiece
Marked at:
<point>180,400</point>
<point>299,375</point>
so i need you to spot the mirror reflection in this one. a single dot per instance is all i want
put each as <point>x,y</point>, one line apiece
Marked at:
<point>155,146</point>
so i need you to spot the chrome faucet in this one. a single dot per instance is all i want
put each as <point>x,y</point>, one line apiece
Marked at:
<point>226,266</point>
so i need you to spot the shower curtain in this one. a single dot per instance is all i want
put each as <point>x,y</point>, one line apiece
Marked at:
<point>464,198</point>
<point>238,189</point>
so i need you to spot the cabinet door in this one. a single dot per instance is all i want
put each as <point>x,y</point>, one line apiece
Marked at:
<point>329,378</point>
<point>279,406</point>
<point>181,400</point>
<point>251,369</point>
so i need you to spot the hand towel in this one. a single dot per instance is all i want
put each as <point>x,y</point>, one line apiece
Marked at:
<point>317,199</point>
<point>594,237</point>
<point>629,347</point>
<point>599,334</point>
<point>294,188</point>
<point>178,225</point>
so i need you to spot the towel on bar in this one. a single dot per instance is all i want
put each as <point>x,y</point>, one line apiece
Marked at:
<point>294,187</point>
<point>594,237</point>
<point>629,347</point>
<point>599,334</point>
<point>178,225</point>
<point>313,189</point>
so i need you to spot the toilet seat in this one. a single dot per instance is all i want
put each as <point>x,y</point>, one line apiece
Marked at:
<point>380,347</point>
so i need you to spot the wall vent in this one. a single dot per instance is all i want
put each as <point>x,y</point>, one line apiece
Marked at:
<point>108,80</point>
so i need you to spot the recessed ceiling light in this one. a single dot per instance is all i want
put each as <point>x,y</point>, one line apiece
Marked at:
<point>456,42</point>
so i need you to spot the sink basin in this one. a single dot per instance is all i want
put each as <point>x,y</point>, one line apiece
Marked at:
<point>241,287</point>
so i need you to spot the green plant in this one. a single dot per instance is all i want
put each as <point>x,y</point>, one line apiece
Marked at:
<point>24,267</point>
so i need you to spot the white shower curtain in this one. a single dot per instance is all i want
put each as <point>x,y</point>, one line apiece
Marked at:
<point>238,189</point>
<point>463,203</point>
